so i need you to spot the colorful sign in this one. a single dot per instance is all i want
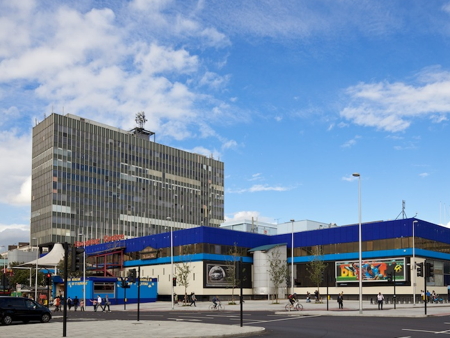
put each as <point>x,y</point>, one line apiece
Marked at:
<point>377,270</point>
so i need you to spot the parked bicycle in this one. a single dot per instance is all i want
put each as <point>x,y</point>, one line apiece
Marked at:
<point>294,307</point>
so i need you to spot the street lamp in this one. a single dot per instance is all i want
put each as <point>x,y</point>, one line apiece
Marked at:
<point>359,241</point>
<point>36,278</point>
<point>292,255</point>
<point>413,264</point>
<point>4,272</point>
<point>171,257</point>
<point>84,267</point>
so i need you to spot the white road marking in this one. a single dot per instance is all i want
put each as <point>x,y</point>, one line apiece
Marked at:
<point>414,330</point>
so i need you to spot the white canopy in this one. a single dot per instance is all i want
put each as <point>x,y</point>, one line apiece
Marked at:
<point>51,259</point>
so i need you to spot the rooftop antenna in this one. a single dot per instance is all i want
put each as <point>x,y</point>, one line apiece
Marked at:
<point>403,213</point>
<point>140,119</point>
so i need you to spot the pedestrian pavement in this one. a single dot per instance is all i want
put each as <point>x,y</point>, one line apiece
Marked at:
<point>191,327</point>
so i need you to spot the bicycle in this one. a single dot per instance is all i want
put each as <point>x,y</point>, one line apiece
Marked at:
<point>296,306</point>
<point>218,307</point>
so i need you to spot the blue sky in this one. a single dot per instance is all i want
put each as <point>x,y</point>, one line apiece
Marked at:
<point>294,97</point>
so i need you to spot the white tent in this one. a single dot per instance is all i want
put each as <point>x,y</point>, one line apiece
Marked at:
<point>51,259</point>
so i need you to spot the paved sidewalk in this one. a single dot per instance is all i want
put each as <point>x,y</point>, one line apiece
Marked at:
<point>192,328</point>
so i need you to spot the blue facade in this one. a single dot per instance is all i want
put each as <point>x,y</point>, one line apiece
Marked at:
<point>149,290</point>
<point>336,235</point>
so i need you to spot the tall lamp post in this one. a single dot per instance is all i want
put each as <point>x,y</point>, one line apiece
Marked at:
<point>83,238</point>
<point>36,278</point>
<point>292,255</point>
<point>171,258</point>
<point>4,272</point>
<point>359,241</point>
<point>413,264</point>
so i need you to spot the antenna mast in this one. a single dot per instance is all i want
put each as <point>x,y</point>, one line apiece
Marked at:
<point>403,213</point>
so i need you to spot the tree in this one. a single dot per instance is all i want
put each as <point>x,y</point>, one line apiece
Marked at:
<point>278,270</point>
<point>232,276</point>
<point>316,268</point>
<point>184,270</point>
<point>22,276</point>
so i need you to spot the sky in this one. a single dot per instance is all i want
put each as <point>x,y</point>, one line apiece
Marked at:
<point>293,96</point>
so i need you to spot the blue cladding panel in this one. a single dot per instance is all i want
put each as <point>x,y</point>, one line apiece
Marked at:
<point>341,234</point>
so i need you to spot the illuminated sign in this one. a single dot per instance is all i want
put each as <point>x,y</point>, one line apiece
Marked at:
<point>376,270</point>
<point>106,239</point>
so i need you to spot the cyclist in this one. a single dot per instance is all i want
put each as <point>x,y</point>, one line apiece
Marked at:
<point>292,299</point>
<point>215,300</point>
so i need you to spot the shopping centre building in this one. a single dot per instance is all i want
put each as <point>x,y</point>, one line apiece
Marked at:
<point>391,251</point>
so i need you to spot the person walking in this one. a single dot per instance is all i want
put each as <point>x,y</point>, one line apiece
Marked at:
<point>193,299</point>
<point>94,304</point>
<point>380,299</point>
<point>57,303</point>
<point>340,300</point>
<point>107,304</point>
<point>81,304</point>
<point>99,303</point>
<point>76,303</point>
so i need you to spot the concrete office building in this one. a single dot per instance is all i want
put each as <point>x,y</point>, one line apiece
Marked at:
<point>98,183</point>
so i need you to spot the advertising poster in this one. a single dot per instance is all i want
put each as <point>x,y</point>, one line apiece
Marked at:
<point>216,275</point>
<point>376,270</point>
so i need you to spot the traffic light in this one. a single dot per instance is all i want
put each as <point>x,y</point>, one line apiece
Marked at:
<point>75,258</point>
<point>48,278</point>
<point>132,275</point>
<point>429,269</point>
<point>174,281</point>
<point>419,268</point>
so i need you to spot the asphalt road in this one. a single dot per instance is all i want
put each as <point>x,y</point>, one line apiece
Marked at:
<point>287,326</point>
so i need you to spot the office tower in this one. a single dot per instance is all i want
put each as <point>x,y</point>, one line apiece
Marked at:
<point>94,182</point>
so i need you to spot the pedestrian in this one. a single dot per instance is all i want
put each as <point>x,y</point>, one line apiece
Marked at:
<point>340,300</point>
<point>308,297</point>
<point>81,304</point>
<point>76,303</point>
<point>193,299</point>
<point>69,303</point>
<point>422,294</point>
<point>57,303</point>
<point>380,299</point>
<point>107,304</point>
<point>317,296</point>
<point>99,303</point>
<point>94,304</point>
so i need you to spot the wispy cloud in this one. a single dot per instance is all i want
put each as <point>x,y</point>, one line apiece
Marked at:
<point>424,174</point>
<point>351,143</point>
<point>349,178</point>
<point>258,188</point>
<point>394,106</point>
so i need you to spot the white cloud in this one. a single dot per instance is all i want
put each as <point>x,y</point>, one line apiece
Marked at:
<point>256,177</point>
<point>393,106</point>
<point>258,188</point>
<point>15,152</point>
<point>349,178</point>
<point>424,174</point>
<point>13,234</point>
<point>248,215</point>
<point>351,143</point>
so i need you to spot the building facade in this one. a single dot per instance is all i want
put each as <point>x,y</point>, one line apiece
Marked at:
<point>95,183</point>
<point>391,252</point>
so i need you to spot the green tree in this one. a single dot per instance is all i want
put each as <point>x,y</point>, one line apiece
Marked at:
<point>278,270</point>
<point>22,276</point>
<point>184,270</point>
<point>232,275</point>
<point>316,268</point>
